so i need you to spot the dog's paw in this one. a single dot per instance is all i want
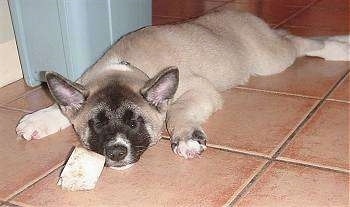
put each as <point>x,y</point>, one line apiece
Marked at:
<point>40,124</point>
<point>191,146</point>
<point>33,126</point>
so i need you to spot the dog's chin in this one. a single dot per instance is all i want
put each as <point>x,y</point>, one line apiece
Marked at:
<point>121,167</point>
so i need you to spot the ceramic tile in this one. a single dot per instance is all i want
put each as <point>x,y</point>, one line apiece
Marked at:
<point>13,91</point>
<point>333,4</point>
<point>275,11</point>
<point>159,179</point>
<point>312,77</point>
<point>342,92</point>
<point>295,3</point>
<point>290,185</point>
<point>337,19</point>
<point>324,140</point>
<point>246,6</point>
<point>33,101</point>
<point>9,205</point>
<point>256,122</point>
<point>183,9</point>
<point>23,162</point>
<point>313,31</point>
<point>158,20</point>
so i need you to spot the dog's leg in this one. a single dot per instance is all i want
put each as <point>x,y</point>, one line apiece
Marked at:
<point>185,116</point>
<point>335,48</point>
<point>42,123</point>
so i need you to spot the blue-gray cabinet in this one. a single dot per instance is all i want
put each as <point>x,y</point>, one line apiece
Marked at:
<point>68,36</point>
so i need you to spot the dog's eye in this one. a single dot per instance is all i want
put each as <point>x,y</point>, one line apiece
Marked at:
<point>99,121</point>
<point>100,124</point>
<point>129,119</point>
<point>132,124</point>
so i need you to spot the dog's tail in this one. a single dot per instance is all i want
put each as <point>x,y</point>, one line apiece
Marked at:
<point>333,48</point>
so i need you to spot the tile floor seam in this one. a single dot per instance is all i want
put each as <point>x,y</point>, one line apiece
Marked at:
<point>336,100</point>
<point>266,157</point>
<point>296,162</point>
<point>21,96</point>
<point>310,27</point>
<point>10,197</point>
<point>14,109</point>
<point>250,184</point>
<point>230,149</point>
<point>293,131</point>
<point>246,189</point>
<point>238,151</point>
<point>311,113</point>
<point>343,79</point>
<point>277,92</point>
<point>195,16</point>
<point>9,204</point>
<point>257,176</point>
<point>295,14</point>
<point>312,165</point>
<point>165,16</point>
<point>20,204</point>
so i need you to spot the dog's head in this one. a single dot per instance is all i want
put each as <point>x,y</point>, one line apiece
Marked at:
<point>116,118</point>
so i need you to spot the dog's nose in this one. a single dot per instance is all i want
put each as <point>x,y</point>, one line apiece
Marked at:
<point>116,152</point>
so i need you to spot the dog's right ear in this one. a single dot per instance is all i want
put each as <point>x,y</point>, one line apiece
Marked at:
<point>162,87</point>
<point>68,95</point>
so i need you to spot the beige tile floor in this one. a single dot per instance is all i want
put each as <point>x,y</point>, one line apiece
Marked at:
<point>280,140</point>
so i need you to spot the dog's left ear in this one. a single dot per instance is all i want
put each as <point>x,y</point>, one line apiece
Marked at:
<point>162,87</point>
<point>68,95</point>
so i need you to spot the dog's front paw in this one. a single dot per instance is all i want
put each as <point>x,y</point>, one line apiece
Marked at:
<point>31,126</point>
<point>40,124</point>
<point>190,146</point>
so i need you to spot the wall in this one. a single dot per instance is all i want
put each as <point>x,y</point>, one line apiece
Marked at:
<point>10,68</point>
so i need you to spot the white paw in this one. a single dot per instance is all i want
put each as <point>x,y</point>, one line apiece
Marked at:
<point>333,51</point>
<point>189,148</point>
<point>41,124</point>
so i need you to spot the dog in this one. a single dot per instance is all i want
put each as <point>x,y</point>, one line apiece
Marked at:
<point>172,76</point>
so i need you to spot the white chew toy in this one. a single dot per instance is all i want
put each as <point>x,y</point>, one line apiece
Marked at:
<point>82,170</point>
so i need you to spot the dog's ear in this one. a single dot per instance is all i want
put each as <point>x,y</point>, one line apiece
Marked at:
<point>162,87</point>
<point>68,95</point>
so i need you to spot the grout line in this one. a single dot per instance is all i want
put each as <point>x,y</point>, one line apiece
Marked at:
<point>313,111</point>
<point>250,183</point>
<point>164,16</point>
<point>238,151</point>
<point>185,18</point>
<point>337,100</point>
<point>14,109</point>
<point>277,92</point>
<point>313,165</point>
<point>8,204</point>
<point>294,130</point>
<point>34,181</point>
<point>230,149</point>
<point>23,95</point>
<point>310,27</point>
<point>20,204</point>
<point>266,157</point>
<point>285,144</point>
<point>246,182</point>
<point>295,14</point>
<point>340,82</point>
